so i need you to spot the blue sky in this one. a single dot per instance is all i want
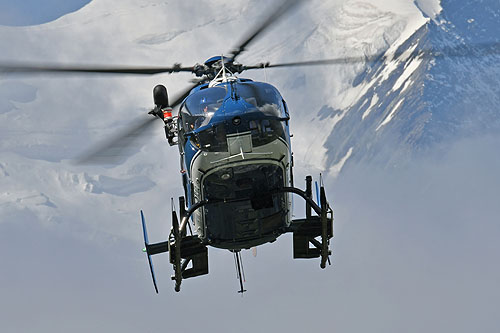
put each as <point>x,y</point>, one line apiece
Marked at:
<point>31,12</point>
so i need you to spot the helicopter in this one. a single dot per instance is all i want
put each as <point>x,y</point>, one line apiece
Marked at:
<point>237,169</point>
<point>236,159</point>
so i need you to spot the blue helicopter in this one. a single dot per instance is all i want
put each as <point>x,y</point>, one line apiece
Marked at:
<point>235,154</point>
<point>237,172</point>
<point>236,160</point>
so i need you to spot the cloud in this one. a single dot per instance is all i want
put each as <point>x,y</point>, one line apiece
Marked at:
<point>415,250</point>
<point>416,246</point>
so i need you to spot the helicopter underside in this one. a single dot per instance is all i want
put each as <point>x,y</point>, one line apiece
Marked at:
<point>245,213</point>
<point>256,216</point>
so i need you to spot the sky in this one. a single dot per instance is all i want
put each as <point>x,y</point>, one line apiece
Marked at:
<point>32,12</point>
<point>415,249</point>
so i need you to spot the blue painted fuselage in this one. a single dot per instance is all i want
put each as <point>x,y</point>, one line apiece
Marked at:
<point>234,143</point>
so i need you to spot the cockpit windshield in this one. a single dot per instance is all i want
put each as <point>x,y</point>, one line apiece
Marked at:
<point>262,96</point>
<point>201,106</point>
<point>262,114</point>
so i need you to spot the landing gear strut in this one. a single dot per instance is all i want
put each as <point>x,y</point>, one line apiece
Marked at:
<point>312,230</point>
<point>185,250</point>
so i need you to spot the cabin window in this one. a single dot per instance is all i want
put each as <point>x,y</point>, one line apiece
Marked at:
<point>201,106</point>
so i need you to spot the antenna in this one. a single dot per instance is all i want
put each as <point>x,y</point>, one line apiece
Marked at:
<point>240,272</point>
<point>223,67</point>
<point>265,73</point>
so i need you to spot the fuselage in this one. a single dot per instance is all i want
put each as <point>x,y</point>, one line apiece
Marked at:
<point>235,151</point>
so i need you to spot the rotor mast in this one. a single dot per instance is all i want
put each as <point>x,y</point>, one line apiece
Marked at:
<point>224,74</point>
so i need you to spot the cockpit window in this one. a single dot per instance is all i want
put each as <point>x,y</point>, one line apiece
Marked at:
<point>265,131</point>
<point>262,96</point>
<point>201,106</point>
<point>262,116</point>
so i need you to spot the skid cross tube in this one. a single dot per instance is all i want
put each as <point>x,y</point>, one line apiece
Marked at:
<point>303,194</point>
<point>193,208</point>
<point>202,203</point>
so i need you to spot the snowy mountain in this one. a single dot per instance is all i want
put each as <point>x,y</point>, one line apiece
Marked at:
<point>421,102</point>
<point>383,111</point>
<point>46,121</point>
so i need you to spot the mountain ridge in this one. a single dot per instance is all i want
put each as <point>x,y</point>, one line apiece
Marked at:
<point>429,101</point>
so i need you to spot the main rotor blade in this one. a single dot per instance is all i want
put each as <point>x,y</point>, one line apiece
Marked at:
<point>285,6</point>
<point>114,149</point>
<point>463,51</point>
<point>48,68</point>
<point>185,93</point>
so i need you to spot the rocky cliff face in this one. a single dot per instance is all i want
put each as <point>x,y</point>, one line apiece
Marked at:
<point>421,99</point>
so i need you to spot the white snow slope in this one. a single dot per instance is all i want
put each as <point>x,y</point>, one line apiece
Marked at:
<point>50,119</point>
